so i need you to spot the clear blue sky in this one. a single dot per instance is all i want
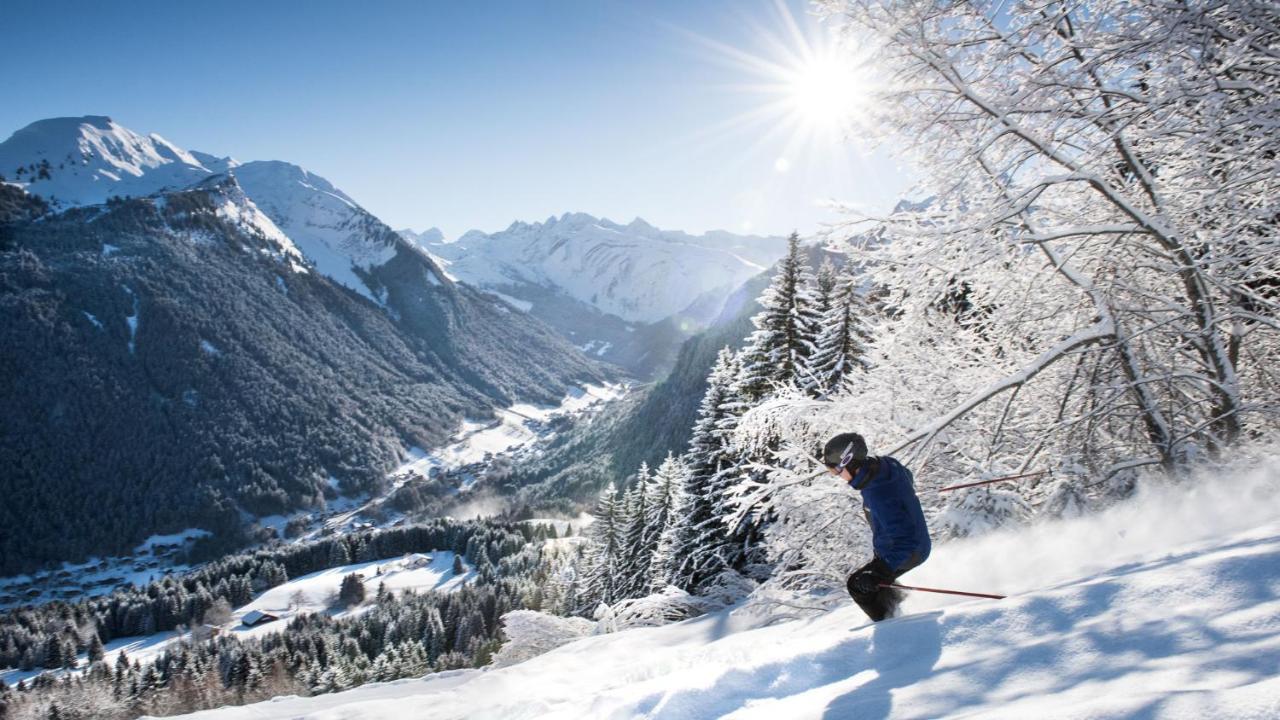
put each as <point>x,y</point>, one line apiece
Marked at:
<point>459,115</point>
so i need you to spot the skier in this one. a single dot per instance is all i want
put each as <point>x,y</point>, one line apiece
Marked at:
<point>899,535</point>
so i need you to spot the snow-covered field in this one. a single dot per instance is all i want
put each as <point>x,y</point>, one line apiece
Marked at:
<point>1166,607</point>
<point>150,560</point>
<point>421,572</point>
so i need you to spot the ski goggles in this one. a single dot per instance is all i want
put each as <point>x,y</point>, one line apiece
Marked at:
<point>846,459</point>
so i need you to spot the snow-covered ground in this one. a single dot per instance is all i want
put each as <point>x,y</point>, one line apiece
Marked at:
<point>513,429</point>
<point>418,571</point>
<point>421,572</point>
<point>150,560</point>
<point>1165,607</point>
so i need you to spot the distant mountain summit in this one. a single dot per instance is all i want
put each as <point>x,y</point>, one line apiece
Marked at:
<point>635,271</point>
<point>73,162</point>
<point>85,160</point>
<point>628,294</point>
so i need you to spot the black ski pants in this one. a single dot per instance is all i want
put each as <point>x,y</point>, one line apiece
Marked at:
<point>882,603</point>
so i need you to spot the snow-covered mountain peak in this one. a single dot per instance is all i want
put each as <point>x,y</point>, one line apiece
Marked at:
<point>337,236</point>
<point>214,163</point>
<point>84,160</point>
<point>640,226</point>
<point>635,271</point>
<point>430,236</point>
<point>237,209</point>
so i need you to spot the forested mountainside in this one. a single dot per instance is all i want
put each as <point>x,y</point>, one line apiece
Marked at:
<point>173,361</point>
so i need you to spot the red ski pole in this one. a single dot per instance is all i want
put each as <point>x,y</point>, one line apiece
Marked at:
<point>945,592</point>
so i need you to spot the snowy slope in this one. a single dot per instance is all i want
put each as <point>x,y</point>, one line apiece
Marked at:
<point>92,158</point>
<point>420,572</point>
<point>335,234</point>
<point>1167,607</point>
<point>636,271</point>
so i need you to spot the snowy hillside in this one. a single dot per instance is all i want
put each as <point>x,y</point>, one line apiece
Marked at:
<point>336,235</point>
<point>83,161</point>
<point>636,271</point>
<point>1165,607</point>
<point>312,593</point>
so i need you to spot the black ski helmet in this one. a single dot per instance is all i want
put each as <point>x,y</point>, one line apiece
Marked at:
<point>846,450</point>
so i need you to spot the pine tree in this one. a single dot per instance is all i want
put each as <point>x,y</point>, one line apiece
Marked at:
<point>826,288</point>
<point>658,543</point>
<point>53,655</point>
<point>96,651</point>
<point>339,554</point>
<point>602,582</point>
<point>633,563</point>
<point>700,538</point>
<point>777,352</point>
<point>842,340</point>
<point>776,355</point>
<point>352,590</point>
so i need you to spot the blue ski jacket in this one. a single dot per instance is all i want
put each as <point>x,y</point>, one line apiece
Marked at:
<point>899,534</point>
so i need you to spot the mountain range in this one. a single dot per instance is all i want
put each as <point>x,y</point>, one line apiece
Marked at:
<point>187,358</point>
<point>627,294</point>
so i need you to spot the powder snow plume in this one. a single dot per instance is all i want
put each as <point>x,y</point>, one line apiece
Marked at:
<point>1159,519</point>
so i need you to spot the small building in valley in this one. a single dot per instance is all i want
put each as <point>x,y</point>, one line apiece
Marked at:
<point>254,618</point>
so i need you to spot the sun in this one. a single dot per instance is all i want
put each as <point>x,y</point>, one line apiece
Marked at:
<point>807,83</point>
<point>827,90</point>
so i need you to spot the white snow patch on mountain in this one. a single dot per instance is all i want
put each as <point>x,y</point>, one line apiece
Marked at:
<point>417,571</point>
<point>634,271</point>
<point>512,429</point>
<point>517,303</point>
<point>1166,607</point>
<point>84,160</point>
<point>335,234</point>
<point>132,320</point>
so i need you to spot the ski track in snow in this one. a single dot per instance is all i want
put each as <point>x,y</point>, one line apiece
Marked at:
<point>1163,607</point>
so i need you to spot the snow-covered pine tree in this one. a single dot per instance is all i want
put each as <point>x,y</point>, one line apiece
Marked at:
<point>775,357</point>
<point>601,580</point>
<point>786,329</point>
<point>633,561</point>
<point>826,286</point>
<point>700,538</point>
<point>665,506</point>
<point>842,339</point>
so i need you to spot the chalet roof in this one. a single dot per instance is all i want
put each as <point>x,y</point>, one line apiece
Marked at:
<point>254,617</point>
